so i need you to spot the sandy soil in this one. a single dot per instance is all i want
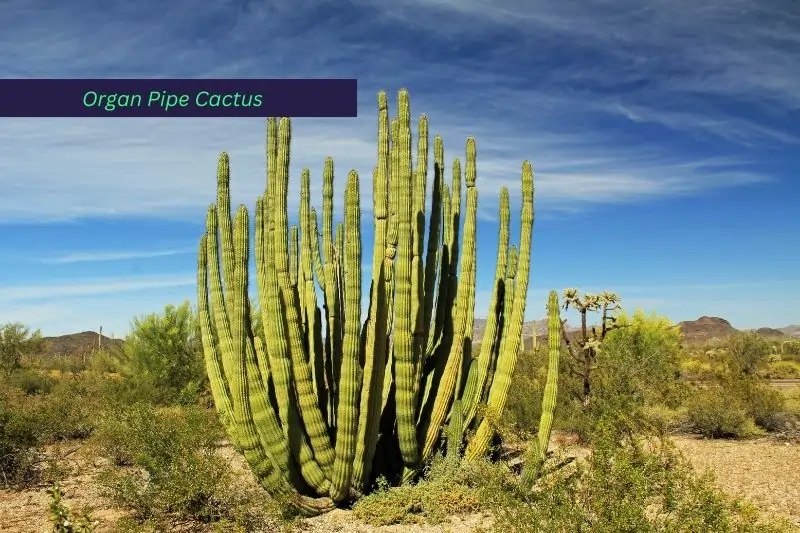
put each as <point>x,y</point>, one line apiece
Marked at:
<point>764,471</point>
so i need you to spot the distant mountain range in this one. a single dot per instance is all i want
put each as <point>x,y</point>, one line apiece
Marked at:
<point>700,330</point>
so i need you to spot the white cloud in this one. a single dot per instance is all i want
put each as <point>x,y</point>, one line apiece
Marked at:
<point>92,257</point>
<point>165,168</point>
<point>78,287</point>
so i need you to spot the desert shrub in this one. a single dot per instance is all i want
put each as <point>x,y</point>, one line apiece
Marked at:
<point>782,370</point>
<point>63,519</point>
<point>627,484</point>
<point>19,438</point>
<point>163,358</point>
<point>16,342</point>
<point>790,350</point>
<point>637,380</point>
<point>760,400</point>
<point>29,421</point>
<point>31,381</point>
<point>167,469</point>
<point>447,489</point>
<point>747,353</point>
<point>106,362</point>
<point>714,414</point>
<point>524,403</point>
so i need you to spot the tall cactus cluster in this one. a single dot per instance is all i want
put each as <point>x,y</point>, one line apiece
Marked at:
<point>319,402</point>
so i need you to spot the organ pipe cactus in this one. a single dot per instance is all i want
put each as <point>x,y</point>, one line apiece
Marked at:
<point>321,403</point>
<point>538,447</point>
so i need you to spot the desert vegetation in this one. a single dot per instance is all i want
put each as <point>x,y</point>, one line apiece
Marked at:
<point>287,408</point>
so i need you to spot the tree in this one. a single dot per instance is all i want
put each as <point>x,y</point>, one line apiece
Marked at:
<point>16,341</point>
<point>584,347</point>
<point>641,359</point>
<point>747,352</point>
<point>163,352</point>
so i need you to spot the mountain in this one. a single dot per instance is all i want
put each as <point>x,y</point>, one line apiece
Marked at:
<point>791,331</point>
<point>79,344</point>
<point>705,328</point>
<point>770,332</point>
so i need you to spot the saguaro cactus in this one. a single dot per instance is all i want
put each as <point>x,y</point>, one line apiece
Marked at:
<point>321,403</point>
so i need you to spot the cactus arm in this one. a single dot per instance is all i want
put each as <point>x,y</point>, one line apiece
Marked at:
<point>224,218</point>
<point>307,291</point>
<point>219,388</point>
<point>420,331</point>
<point>479,370</point>
<point>433,254</point>
<point>347,411</point>
<point>538,450</point>
<point>375,350</point>
<point>436,412</point>
<point>316,428</point>
<point>404,357</point>
<point>330,290</point>
<point>498,393</point>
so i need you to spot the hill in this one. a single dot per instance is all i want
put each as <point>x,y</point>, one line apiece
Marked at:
<point>791,331</point>
<point>770,332</point>
<point>76,344</point>
<point>705,328</point>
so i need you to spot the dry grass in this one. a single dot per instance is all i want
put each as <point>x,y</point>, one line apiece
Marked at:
<point>764,471</point>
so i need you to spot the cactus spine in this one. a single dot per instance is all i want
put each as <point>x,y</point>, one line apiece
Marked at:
<point>320,414</point>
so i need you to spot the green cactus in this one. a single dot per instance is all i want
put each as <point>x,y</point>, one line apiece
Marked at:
<point>538,449</point>
<point>319,402</point>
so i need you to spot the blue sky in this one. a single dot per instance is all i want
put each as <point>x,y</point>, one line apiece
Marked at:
<point>665,141</point>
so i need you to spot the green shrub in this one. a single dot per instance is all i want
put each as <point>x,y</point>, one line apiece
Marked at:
<point>782,370</point>
<point>163,357</point>
<point>16,342</point>
<point>29,421</point>
<point>62,518</point>
<point>714,414</point>
<point>19,438</point>
<point>31,381</point>
<point>167,469</point>
<point>628,484</point>
<point>747,353</point>
<point>761,401</point>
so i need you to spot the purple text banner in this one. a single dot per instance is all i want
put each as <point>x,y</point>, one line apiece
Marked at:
<point>178,98</point>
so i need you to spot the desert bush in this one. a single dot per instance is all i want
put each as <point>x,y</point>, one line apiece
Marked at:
<point>713,414</point>
<point>167,469</point>
<point>63,519</point>
<point>18,438</point>
<point>747,353</point>
<point>31,381</point>
<point>760,400</point>
<point>627,484</point>
<point>28,421</point>
<point>524,404</point>
<point>447,489</point>
<point>637,380</point>
<point>782,370</point>
<point>17,341</point>
<point>163,359</point>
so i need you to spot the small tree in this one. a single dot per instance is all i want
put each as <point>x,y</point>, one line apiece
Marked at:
<point>747,353</point>
<point>163,352</point>
<point>17,341</point>
<point>584,348</point>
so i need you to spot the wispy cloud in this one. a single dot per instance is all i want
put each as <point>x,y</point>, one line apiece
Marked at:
<point>553,113</point>
<point>94,257</point>
<point>94,287</point>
